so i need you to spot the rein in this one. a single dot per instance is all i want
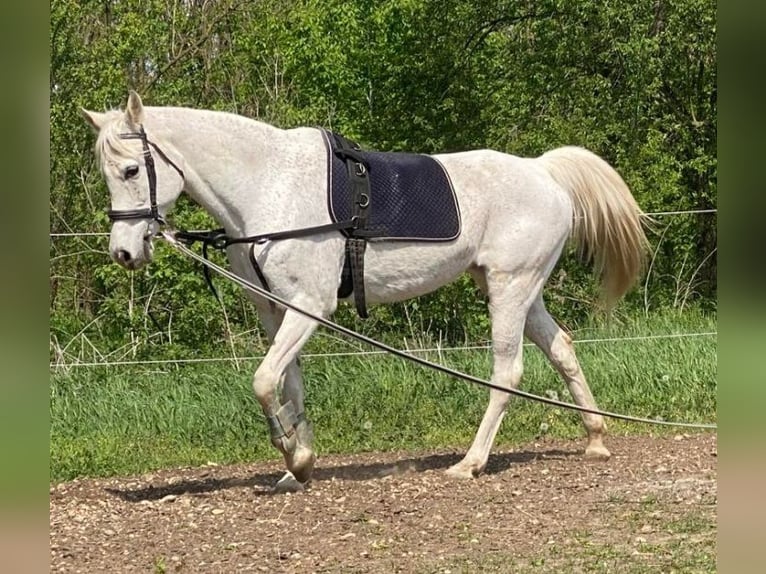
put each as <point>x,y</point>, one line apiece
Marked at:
<point>355,228</point>
<point>176,242</point>
<point>218,239</point>
<point>215,238</point>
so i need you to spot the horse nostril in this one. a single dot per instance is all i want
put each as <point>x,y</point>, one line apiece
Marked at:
<point>123,256</point>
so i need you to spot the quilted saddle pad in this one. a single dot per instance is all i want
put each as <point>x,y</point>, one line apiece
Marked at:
<point>411,195</point>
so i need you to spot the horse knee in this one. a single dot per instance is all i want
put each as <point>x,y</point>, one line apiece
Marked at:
<point>507,378</point>
<point>511,375</point>
<point>265,385</point>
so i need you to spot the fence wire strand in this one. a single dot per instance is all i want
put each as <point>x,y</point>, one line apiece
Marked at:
<point>411,357</point>
<point>487,346</point>
<point>649,214</point>
<point>410,354</point>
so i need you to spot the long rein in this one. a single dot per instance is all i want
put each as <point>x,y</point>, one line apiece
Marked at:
<point>219,240</point>
<point>178,239</point>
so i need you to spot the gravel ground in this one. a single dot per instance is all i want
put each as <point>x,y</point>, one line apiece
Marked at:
<point>539,507</point>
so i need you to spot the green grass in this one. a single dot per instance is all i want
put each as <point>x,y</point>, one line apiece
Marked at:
<point>115,420</point>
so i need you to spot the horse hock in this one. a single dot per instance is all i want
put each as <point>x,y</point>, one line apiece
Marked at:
<point>291,433</point>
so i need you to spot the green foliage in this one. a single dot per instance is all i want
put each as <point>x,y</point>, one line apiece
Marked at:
<point>633,81</point>
<point>188,415</point>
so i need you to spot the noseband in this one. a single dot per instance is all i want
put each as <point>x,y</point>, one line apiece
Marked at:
<point>152,212</point>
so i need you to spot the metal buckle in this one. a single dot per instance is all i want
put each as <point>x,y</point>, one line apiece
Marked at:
<point>219,241</point>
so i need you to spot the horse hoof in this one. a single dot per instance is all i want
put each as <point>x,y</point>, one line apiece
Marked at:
<point>597,453</point>
<point>302,464</point>
<point>463,471</point>
<point>288,484</point>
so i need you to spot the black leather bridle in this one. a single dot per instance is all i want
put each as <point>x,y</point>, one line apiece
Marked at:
<point>152,212</point>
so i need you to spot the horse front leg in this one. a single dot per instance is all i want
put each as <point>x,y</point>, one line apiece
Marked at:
<point>289,430</point>
<point>301,463</point>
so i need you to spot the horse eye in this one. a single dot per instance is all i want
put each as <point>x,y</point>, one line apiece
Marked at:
<point>131,172</point>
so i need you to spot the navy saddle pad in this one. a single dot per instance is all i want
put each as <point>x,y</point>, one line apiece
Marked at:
<point>411,195</point>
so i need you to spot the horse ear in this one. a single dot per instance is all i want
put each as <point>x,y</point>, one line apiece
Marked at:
<point>135,110</point>
<point>94,119</point>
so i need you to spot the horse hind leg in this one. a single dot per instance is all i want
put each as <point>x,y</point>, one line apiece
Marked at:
<point>557,346</point>
<point>509,300</point>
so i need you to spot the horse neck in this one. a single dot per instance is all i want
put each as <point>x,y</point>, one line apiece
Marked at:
<point>227,158</point>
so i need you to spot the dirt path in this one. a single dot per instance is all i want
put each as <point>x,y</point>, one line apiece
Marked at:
<point>538,508</point>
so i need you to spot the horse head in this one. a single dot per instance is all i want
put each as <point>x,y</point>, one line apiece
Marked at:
<point>144,175</point>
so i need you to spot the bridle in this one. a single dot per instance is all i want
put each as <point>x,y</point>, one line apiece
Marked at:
<point>152,212</point>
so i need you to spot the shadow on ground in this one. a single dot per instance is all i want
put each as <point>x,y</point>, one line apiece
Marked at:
<point>262,483</point>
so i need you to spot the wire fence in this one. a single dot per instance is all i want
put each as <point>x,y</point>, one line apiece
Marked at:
<point>487,346</point>
<point>649,214</point>
<point>64,365</point>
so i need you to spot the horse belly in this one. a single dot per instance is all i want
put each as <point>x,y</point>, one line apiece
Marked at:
<point>395,271</point>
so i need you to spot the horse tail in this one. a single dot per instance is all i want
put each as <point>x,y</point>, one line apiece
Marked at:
<point>607,227</point>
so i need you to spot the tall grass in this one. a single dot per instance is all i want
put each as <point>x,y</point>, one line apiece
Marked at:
<point>109,420</point>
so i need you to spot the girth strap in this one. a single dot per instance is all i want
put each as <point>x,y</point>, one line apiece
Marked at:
<point>355,248</point>
<point>356,243</point>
